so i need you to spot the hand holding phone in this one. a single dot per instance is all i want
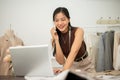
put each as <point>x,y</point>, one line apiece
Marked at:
<point>54,33</point>
<point>55,30</point>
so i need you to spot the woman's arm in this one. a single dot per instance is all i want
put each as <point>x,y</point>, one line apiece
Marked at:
<point>59,54</point>
<point>74,48</point>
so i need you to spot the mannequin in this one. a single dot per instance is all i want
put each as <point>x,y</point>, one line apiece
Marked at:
<point>7,40</point>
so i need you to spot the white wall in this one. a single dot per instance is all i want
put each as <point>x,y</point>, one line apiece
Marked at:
<point>32,19</point>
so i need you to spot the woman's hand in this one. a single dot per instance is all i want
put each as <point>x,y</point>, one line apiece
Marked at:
<point>54,34</point>
<point>57,71</point>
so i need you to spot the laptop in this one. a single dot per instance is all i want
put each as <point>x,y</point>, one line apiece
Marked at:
<point>31,61</point>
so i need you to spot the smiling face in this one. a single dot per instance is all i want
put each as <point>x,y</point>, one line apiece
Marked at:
<point>61,22</point>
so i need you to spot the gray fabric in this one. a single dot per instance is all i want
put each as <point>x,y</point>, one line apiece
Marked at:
<point>100,56</point>
<point>109,40</point>
<point>105,53</point>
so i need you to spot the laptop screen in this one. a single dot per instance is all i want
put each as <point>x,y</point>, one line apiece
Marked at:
<point>31,60</point>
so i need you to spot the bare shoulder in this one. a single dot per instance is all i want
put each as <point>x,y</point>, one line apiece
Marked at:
<point>80,30</point>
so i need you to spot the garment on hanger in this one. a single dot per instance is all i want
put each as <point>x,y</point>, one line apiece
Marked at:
<point>116,53</point>
<point>105,54</point>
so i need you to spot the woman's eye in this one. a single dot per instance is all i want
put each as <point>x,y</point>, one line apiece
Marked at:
<point>56,20</point>
<point>63,19</point>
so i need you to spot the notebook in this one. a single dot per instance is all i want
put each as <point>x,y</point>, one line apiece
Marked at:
<point>31,61</point>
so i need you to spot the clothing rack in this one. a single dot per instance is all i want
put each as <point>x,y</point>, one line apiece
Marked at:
<point>101,28</point>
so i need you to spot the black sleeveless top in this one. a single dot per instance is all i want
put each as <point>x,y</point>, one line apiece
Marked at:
<point>64,43</point>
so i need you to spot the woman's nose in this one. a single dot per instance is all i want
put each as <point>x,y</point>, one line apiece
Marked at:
<point>60,22</point>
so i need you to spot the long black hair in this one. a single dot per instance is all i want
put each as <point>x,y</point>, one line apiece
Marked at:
<point>64,11</point>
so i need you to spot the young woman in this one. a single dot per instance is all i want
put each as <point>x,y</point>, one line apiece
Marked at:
<point>68,42</point>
